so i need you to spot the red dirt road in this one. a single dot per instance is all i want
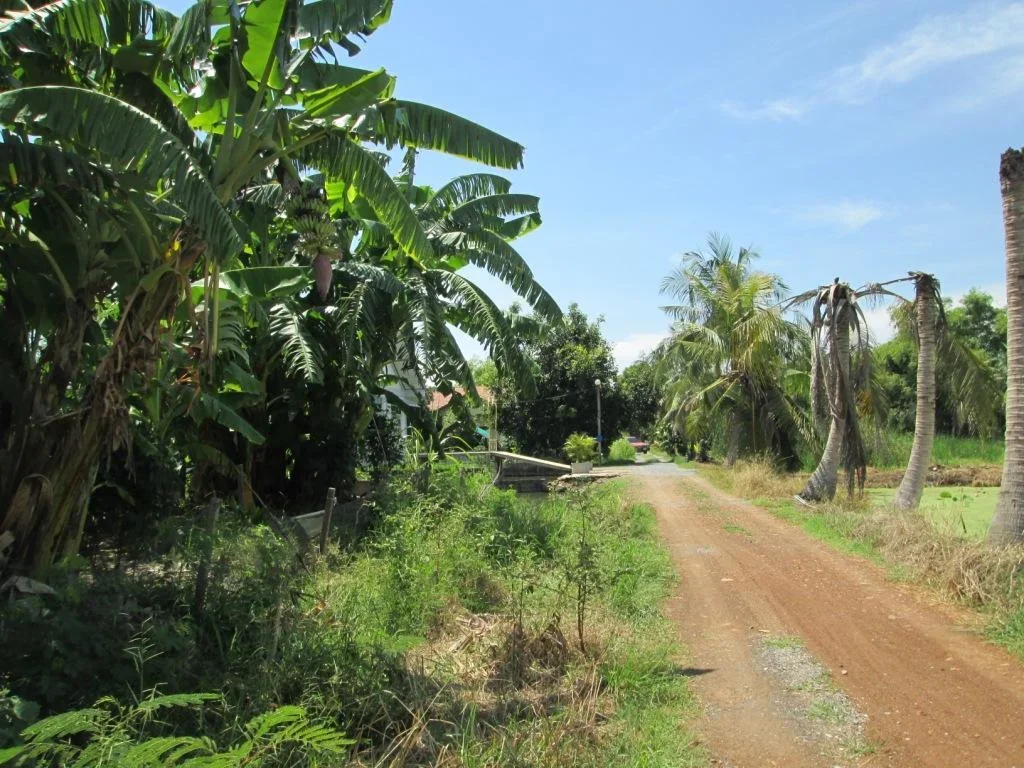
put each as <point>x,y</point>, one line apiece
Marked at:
<point>934,693</point>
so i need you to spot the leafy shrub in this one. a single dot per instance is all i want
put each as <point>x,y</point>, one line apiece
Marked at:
<point>621,450</point>
<point>580,447</point>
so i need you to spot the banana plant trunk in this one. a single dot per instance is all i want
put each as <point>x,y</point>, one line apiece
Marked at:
<point>822,484</point>
<point>49,507</point>
<point>912,486</point>
<point>1008,524</point>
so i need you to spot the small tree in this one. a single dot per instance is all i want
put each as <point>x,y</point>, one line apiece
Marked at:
<point>641,397</point>
<point>566,358</point>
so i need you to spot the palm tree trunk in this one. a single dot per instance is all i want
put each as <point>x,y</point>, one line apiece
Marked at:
<point>822,484</point>
<point>733,450</point>
<point>819,397</point>
<point>1008,524</point>
<point>912,486</point>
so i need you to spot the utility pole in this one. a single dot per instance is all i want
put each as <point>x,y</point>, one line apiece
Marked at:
<point>600,437</point>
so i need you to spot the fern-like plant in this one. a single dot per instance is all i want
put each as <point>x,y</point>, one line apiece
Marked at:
<point>109,734</point>
<point>579,447</point>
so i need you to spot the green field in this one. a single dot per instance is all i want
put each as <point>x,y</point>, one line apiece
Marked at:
<point>968,510</point>
<point>893,450</point>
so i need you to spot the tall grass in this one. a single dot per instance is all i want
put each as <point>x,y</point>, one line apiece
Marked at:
<point>892,451</point>
<point>448,635</point>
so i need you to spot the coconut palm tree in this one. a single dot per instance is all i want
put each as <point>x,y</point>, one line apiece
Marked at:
<point>725,364</point>
<point>968,379</point>
<point>834,318</point>
<point>1008,523</point>
<point>926,308</point>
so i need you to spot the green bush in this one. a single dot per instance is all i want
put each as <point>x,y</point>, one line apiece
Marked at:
<point>621,450</point>
<point>580,447</point>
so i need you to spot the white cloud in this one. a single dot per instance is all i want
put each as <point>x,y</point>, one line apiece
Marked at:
<point>1001,80</point>
<point>848,215</point>
<point>938,41</point>
<point>634,346</point>
<point>776,111</point>
<point>880,327</point>
<point>931,44</point>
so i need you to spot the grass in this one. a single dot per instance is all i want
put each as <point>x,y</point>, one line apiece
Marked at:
<point>894,451</point>
<point>737,529</point>
<point>446,636</point>
<point>827,711</point>
<point>966,509</point>
<point>783,641</point>
<point>942,548</point>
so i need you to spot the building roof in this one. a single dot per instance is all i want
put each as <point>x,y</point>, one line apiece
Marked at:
<point>437,400</point>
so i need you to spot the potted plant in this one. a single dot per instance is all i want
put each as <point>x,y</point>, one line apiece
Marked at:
<point>581,450</point>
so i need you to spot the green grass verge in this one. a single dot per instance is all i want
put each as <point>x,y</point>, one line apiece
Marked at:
<point>968,510</point>
<point>828,529</point>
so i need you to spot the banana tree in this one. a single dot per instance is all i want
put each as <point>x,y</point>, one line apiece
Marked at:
<point>227,97</point>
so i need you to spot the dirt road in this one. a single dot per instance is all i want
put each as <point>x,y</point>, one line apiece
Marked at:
<point>933,692</point>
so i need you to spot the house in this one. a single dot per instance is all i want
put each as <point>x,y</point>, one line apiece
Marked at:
<point>407,387</point>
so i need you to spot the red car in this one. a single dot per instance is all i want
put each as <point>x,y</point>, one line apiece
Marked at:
<point>638,445</point>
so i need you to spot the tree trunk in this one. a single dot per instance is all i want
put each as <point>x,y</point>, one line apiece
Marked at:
<point>822,484</point>
<point>819,397</point>
<point>1008,524</point>
<point>912,486</point>
<point>733,450</point>
<point>48,510</point>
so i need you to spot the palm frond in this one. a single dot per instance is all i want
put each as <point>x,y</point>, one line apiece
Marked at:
<point>464,188</point>
<point>969,378</point>
<point>99,23</point>
<point>491,252</point>
<point>477,315</point>
<point>341,159</point>
<point>140,144</point>
<point>337,19</point>
<point>487,208</point>
<point>409,124</point>
<point>300,352</point>
<point>41,165</point>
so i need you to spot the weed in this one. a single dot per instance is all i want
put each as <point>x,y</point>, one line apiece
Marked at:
<point>738,529</point>
<point>783,641</point>
<point>859,747</point>
<point>828,711</point>
<point>822,682</point>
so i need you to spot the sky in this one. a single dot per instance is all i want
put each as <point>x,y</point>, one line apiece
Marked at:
<point>850,139</point>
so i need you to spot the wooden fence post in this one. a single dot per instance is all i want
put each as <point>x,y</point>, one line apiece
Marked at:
<point>203,573</point>
<point>325,527</point>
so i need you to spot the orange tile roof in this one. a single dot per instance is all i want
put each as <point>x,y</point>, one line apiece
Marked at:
<point>438,400</point>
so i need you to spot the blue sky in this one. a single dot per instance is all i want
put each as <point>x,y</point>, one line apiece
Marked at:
<point>857,139</point>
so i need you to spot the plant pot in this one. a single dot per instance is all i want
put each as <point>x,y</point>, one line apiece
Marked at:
<point>582,467</point>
